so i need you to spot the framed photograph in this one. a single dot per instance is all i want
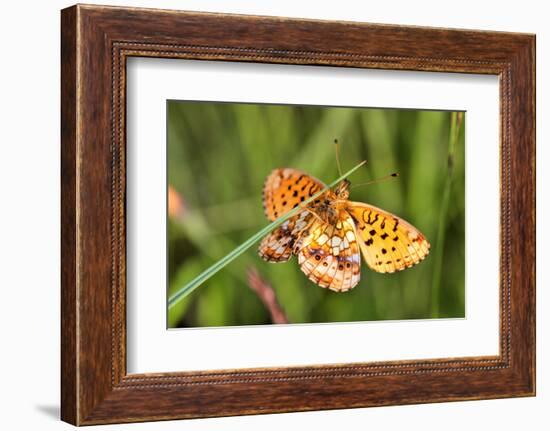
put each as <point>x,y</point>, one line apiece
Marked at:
<point>265,215</point>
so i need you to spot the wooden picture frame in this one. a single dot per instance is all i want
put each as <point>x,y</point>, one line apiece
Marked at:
<point>95,43</point>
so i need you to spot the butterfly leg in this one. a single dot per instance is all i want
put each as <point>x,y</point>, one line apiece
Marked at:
<point>314,214</point>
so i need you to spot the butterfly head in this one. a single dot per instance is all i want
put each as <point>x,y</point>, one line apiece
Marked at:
<point>342,189</point>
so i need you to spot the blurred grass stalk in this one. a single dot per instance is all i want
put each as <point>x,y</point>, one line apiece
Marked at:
<point>454,132</point>
<point>267,295</point>
<point>205,275</point>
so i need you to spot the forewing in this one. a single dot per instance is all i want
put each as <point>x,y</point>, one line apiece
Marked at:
<point>286,188</point>
<point>388,242</point>
<point>329,255</point>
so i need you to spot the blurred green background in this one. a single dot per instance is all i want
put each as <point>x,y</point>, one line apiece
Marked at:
<point>219,155</point>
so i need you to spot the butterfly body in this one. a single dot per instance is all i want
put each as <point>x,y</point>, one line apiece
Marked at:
<point>330,233</point>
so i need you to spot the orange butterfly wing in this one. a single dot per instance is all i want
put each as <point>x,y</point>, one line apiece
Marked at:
<point>286,188</point>
<point>330,256</point>
<point>388,242</point>
<point>278,246</point>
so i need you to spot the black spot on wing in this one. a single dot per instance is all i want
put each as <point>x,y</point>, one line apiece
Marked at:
<point>396,224</point>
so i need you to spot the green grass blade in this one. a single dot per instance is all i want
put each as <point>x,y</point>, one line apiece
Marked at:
<point>456,121</point>
<point>205,275</point>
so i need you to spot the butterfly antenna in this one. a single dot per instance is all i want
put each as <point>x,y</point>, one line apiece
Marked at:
<point>337,149</point>
<point>387,177</point>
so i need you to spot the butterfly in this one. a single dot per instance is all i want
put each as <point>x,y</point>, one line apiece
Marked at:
<point>330,233</point>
